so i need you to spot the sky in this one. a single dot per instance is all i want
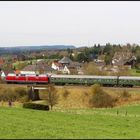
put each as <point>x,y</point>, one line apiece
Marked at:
<point>79,23</point>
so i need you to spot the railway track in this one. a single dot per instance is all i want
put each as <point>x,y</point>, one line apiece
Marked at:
<point>69,86</point>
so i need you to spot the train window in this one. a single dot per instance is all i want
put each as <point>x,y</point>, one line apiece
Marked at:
<point>22,74</point>
<point>16,74</point>
<point>37,75</point>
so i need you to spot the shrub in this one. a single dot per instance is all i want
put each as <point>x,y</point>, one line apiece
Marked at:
<point>52,96</point>
<point>24,99</point>
<point>12,94</point>
<point>35,106</point>
<point>91,69</point>
<point>137,71</point>
<point>100,98</point>
<point>21,91</point>
<point>85,98</point>
<point>65,93</point>
<point>125,94</point>
<point>95,88</point>
<point>6,95</point>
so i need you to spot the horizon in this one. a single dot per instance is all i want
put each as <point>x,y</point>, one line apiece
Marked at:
<point>70,45</point>
<point>77,23</point>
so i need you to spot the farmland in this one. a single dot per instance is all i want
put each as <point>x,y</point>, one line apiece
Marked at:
<point>17,122</point>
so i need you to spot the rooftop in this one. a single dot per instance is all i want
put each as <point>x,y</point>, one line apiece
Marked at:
<point>65,60</point>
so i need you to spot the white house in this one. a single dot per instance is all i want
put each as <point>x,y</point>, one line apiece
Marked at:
<point>57,66</point>
<point>66,70</point>
<point>3,75</point>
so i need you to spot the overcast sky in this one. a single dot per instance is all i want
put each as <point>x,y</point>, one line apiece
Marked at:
<point>76,23</point>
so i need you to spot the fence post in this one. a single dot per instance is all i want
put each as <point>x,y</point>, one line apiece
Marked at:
<point>117,112</point>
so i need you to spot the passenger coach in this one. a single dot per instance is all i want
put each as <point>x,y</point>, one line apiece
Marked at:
<point>84,79</point>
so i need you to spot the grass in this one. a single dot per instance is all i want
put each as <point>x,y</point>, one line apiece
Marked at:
<point>117,90</point>
<point>17,122</point>
<point>71,119</point>
<point>134,73</point>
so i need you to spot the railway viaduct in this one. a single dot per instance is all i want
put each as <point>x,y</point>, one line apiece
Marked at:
<point>33,91</point>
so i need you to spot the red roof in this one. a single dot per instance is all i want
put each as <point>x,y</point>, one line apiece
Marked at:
<point>58,64</point>
<point>1,61</point>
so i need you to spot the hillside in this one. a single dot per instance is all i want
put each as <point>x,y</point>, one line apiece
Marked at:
<point>34,48</point>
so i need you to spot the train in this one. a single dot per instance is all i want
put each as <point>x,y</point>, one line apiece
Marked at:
<point>27,78</point>
<point>125,81</point>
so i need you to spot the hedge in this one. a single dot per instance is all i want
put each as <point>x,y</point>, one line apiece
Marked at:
<point>36,106</point>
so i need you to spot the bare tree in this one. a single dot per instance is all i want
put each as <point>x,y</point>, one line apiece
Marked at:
<point>52,95</point>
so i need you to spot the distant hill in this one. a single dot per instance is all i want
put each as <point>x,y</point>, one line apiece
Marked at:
<point>34,48</point>
<point>49,47</point>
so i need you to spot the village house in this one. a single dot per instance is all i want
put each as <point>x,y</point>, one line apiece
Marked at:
<point>100,64</point>
<point>65,61</point>
<point>57,66</point>
<point>66,70</point>
<point>2,61</point>
<point>126,62</point>
<point>2,75</point>
<point>131,61</point>
<point>66,66</point>
<point>39,67</point>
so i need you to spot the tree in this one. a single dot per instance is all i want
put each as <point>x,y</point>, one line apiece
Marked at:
<point>69,50</point>
<point>107,48</point>
<point>52,96</point>
<point>14,67</point>
<point>137,64</point>
<point>91,69</point>
<point>71,57</point>
<point>82,57</point>
<point>108,59</point>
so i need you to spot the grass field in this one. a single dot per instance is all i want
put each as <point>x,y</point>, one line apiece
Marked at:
<point>134,73</point>
<point>70,118</point>
<point>17,122</point>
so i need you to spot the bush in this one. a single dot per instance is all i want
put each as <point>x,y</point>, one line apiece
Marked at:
<point>21,92</point>
<point>13,94</point>
<point>100,98</point>
<point>85,98</point>
<point>125,94</point>
<point>91,69</point>
<point>52,96</point>
<point>36,106</point>
<point>6,95</point>
<point>65,93</point>
<point>95,88</point>
<point>24,99</point>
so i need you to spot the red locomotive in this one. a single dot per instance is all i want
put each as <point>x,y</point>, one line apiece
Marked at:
<point>27,78</point>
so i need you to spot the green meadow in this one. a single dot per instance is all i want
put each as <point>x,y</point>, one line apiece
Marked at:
<point>134,72</point>
<point>121,122</point>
